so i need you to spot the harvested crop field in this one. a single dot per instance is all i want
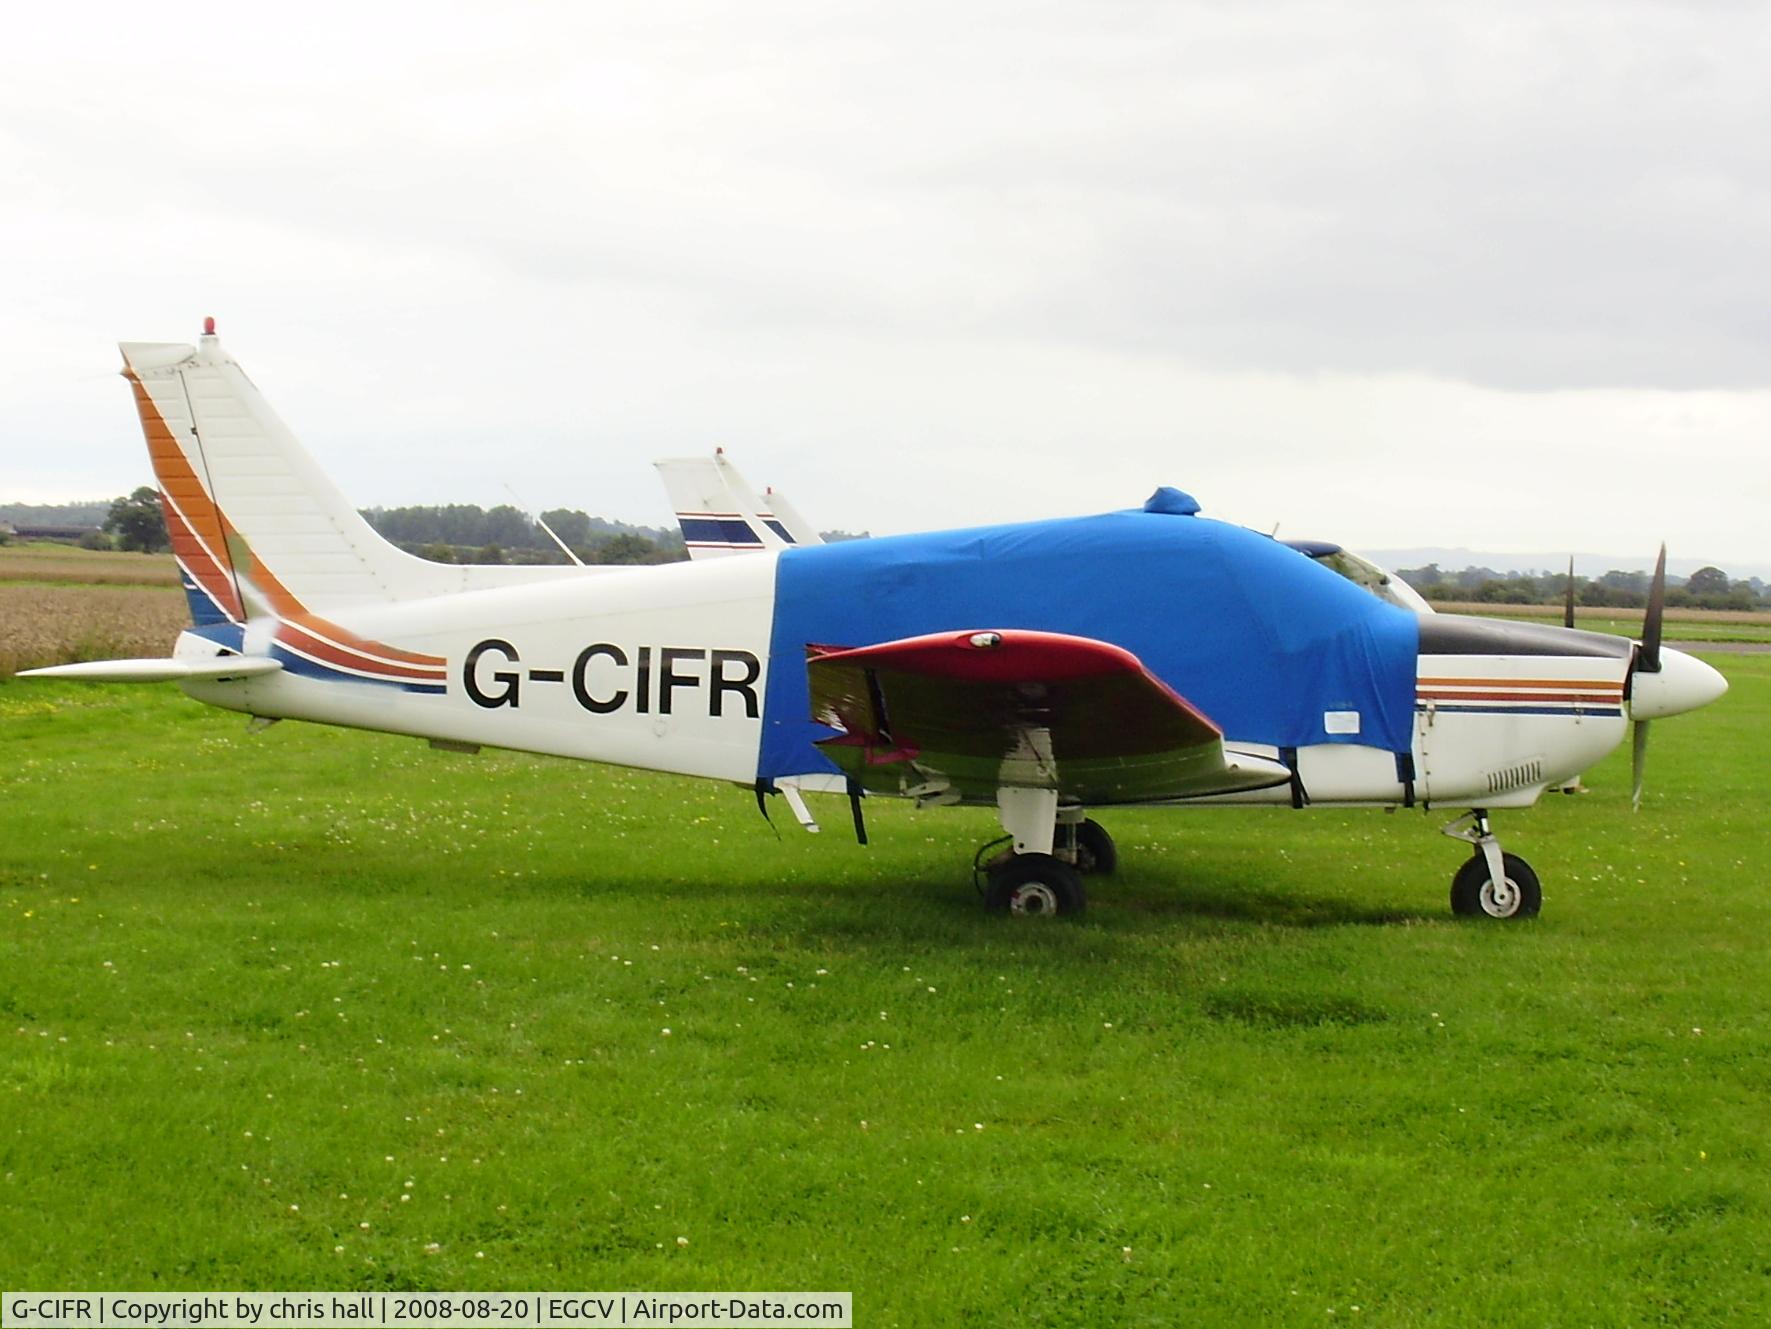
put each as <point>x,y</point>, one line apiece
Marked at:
<point>43,624</point>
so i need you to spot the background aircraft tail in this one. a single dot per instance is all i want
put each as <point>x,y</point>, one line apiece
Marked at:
<point>799,530</point>
<point>720,514</point>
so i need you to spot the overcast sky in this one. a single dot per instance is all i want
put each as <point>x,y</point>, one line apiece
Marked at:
<point>1490,275</point>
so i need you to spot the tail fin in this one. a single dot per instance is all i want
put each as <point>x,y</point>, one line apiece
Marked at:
<point>799,530</point>
<point>257,527</point>
<point>243,498</point>
<point>193,522</point>
<point>718,511</point>
<point>262,537</point>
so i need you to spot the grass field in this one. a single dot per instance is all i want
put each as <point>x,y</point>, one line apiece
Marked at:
<point>1745,625</point>
<point>318,1009</point>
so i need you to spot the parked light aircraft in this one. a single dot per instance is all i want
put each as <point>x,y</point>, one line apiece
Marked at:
<point>1046,668</point>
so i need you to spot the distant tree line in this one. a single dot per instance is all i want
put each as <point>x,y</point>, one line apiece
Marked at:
<point>451,533</point>
<point>468,533</point>
<point>85,515</point>
<point>1707,588</point>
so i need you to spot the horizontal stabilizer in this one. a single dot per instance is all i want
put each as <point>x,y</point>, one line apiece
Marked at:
<point>158,671</point>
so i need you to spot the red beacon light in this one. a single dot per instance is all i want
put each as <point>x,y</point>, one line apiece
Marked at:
<point>209,327</point>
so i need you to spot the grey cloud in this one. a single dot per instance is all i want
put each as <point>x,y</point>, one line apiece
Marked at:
<point>1508,195</point>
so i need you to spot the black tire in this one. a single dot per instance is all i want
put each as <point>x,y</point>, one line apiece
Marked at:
<point>1096,854</point>
<point>1035,884</point>
<point>1473,897</point>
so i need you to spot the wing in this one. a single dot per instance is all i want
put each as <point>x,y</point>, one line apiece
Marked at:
<point>975,711</point>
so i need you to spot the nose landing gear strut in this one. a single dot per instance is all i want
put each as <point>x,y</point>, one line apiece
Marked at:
<point>1491,884</point>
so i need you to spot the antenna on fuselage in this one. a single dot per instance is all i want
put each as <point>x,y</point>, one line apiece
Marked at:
<point>535,517</point>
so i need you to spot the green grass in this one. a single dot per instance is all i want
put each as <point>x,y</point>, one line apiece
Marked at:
<point>1680,625</point>
<point>1630,625</point>
<point>255,990</point>
<point>51,563</point>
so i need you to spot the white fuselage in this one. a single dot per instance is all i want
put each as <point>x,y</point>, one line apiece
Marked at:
<point>618,668</point>
<point>666,668</point>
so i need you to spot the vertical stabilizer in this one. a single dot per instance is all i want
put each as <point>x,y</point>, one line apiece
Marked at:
<point>799,530</point>
<point>193,522</point>
<point>256,525</point>
<point>232,474</point>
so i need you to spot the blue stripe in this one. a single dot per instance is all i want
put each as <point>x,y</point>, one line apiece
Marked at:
<point>779,530</point>
<point>205,612</point>
<point>228,636</point>
<point>1526,710</point>
<point>300,664</point>
<point>718,530</point>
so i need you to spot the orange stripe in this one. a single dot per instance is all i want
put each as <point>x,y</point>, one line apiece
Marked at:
<point>197,561</point>
<point>1609,698</point>
<point>291,635</point>
<point>286,607</point>
<point>313,624</point>
<point>201,523</point>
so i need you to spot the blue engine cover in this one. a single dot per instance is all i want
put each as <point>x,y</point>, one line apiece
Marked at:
<point>1256,635</point>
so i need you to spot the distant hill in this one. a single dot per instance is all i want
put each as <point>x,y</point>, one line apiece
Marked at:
<point>87,516</point>
<point>1585,565</point>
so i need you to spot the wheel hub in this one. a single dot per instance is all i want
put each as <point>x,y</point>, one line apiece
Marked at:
<point>1033,897</point>
<point>1500,899</point>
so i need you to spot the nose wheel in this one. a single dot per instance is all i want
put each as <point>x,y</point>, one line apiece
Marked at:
<point>1492,883</point>
<point>1476,894</point>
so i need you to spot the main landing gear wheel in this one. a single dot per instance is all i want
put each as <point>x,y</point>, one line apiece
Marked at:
<point>1096,854</point>
<point>1035,884</point>
<point>1475,894</point>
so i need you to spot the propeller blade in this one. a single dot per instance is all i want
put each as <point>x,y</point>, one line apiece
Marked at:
<point>1568,604</point>
<point>1638,762</point>
<point>1649,659</point>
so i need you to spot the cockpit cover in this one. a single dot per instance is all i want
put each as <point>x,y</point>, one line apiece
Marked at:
<point>1267,644</point>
